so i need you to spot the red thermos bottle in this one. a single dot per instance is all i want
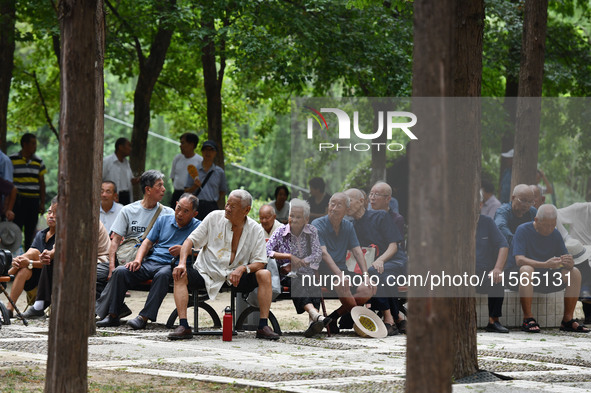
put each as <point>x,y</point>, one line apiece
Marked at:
<point>227,325</point>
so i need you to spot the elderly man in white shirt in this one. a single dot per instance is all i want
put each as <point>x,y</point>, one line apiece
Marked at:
<point>233,251</point>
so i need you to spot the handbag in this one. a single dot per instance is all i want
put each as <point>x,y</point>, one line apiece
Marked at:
<point>128,249</point>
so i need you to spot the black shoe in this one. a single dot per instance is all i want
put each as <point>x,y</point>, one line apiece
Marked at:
<point>108,321</point>
<point>125,311</point>
<point>496,328</point>
<point>346,322</point>
<point>391,329</point>
<point>332,326</point>
<point>137,323</point>
<point>266,333</point>
<point>314,329</point>
<point>181,333</point>
<point>31,313</point>
<point>401,326</point>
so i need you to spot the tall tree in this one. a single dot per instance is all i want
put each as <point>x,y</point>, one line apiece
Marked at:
<point>531,72</point>
<point>447,44</point>
<point>7,38</point>
<point>150,65</point>
<point>467,83</point>
<point>76,251</point>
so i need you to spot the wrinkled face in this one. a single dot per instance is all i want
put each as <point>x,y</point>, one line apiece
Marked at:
<point>296,219</point>
<point>157,190</point>
<point>186,148</point>
<point>355,204</point>
<point>281,196</point>
<point>235,212</point>
<point>183,212</point>
<point>267,217</point>
<point>545,226</point>
<point>108,192</point>
<point>521,202</point>
<point>51,215</point>
<point>379,198</point>
<point>337,207</point>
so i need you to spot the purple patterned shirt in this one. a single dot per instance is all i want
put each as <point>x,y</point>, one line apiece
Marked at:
<point>306,247</point>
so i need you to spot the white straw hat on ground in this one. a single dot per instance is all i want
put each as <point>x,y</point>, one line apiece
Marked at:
<point>366,323</point>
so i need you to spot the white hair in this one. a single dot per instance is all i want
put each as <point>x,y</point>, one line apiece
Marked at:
<point>521,188</point>
<point>386,185</point>
<point>344,196</point>
<point>296,202</point>
<point>547,212</point>
<point>244,196</point>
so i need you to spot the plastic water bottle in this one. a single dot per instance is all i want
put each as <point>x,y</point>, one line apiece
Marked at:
<point>227,325</point>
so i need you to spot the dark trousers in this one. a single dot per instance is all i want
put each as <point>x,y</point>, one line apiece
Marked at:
<point>125,197</point>
<point>26,214</point>
<point>45,283</point>
<point>206,207</point>
<point>123,279</point>
<point>102,272</point>
<point>496,295</point>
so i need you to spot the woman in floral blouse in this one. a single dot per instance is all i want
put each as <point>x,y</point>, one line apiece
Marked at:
<point>296,249</point>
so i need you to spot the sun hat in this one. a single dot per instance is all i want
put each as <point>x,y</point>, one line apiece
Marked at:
<point>366,323</point>
<point>11,236</point>
<point>579,252</point>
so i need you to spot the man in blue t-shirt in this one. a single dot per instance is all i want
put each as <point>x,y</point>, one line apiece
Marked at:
<point>165,240</point>
<point>540,262</point>
<point>336,236</point>
<point>376,228</point>
<point>520,210</point>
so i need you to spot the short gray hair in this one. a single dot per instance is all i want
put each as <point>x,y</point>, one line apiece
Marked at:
<point>149,178</point>
<point>193,200</point>
<point>520,188</point>
<point>547,212</point>
<point>296,202</point>
<point>244,196</point>
<point>344,196</point>
<point>386,185</point>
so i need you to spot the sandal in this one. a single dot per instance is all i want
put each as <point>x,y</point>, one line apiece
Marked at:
<point>568,327</point>
<point>529,325</point>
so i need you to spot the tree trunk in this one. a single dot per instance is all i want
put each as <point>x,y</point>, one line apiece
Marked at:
<point>531,72</point>
<point>7,21</point>
<point>76,249</point>
<point>433,76</point>
<point>467,83</point>
<point>150,69</point>
<point>212,82</point>
<point>378,157</point>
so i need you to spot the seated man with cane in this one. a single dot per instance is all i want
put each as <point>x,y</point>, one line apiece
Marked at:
<point>233,251</point>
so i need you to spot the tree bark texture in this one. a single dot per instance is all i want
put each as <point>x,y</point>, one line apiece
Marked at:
<point>212,82</point>
<point>433,76</point>
<point>7,23</point>
<point>467,83</point>
<point>444,183</point>
<point>531,72</point>
<point>378,157</point>
<point>150,69</point>
<point>76,248</point>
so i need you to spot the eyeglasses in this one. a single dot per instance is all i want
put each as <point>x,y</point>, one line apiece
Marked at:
<point>375,195</point>
<point>527,203</point>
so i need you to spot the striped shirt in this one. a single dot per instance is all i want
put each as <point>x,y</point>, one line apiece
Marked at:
<point>26,174</point>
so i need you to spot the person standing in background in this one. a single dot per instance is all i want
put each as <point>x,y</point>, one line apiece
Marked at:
<point>28,178</point>
<point>116,169</point>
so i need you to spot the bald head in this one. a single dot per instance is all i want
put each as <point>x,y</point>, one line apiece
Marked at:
<point>380,196</point>
<point>267,217</point>
<point>522,199</point>
<point>539,198</point>
<point>356,204</point>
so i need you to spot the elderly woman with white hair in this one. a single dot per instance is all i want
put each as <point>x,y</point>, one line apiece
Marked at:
<point>296,248</point>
